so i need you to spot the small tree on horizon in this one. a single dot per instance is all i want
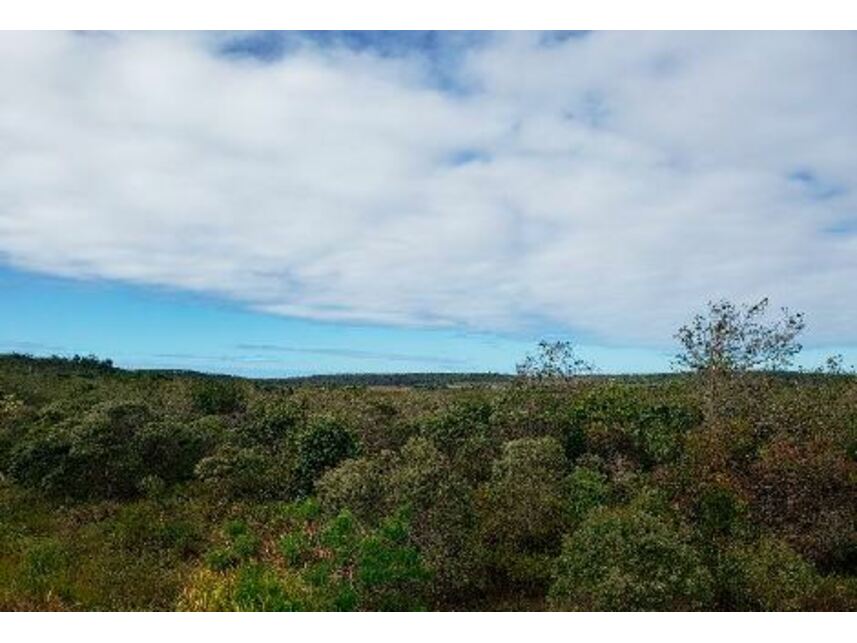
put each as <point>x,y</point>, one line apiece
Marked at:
<point>553,362</point>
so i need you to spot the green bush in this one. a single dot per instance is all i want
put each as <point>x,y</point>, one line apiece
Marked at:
<point>221,559</point>
<point>338,564</point>
<point>241,545</point>
<point>458,424</point>
<point>324,444</point>
<point>258,589</point>
<point>170,450</point>
<point>618,421</point>
<point>443,518</point>
<point>242,473</point>
<point>522,510</point>
<point>108,453</point>
<point>218,396</point>
<point>390,572</point>
<point>122,490</point>
<point>98,457</point>
<point>628,560</point>
<point>358,485</point>
<point>270,426</point>
<point>719,513</point>
<point>586,489</point>
<point>768,575</point>
<point>463,433</point>
<point>523,503</point>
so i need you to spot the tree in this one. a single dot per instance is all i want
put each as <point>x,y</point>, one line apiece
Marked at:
<point>553,362</point>
<point>732,338</point>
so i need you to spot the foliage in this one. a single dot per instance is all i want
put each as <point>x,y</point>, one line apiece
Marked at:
<point>334,565</point>
<point>614,421</point>
<point>462,433</point>
<point>719,513</point>
<point>239,473</point>
<point>215,396</point>
<point>553,362</point>
<point>357,484</point>
<point>736,338</point>
<point>628,559</point>
<point>135,491</point>
<point>106,454</point>
<point>521,509</point>
<point>440,503</point>
<point>769,575</point>
<point>271,425</point>
<point>523,504</point>
<point>323,445</point>
<point>586,489</point>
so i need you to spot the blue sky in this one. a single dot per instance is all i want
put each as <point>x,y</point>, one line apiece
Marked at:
<point>148,328</point>
<point>290,203</point>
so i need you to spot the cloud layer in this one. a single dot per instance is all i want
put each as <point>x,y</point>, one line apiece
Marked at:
<point>605,184</point>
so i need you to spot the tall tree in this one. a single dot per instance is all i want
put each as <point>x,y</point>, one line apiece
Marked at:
<point>731,338</point>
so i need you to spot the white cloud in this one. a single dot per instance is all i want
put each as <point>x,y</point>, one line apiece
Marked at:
<point>608,184</point>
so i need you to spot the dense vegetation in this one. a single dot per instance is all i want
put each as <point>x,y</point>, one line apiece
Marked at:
<point>723,489</point>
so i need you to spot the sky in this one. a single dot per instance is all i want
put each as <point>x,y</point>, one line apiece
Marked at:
<point>289,203</point>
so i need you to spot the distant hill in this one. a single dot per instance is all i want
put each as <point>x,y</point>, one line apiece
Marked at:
<point>90,366</point>
<point>411,380</point>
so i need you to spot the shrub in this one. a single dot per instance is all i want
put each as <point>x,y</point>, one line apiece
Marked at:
<point>462,433</point>
<point>442,517</point>
<point>805,491</point>
<point>768,575</point>
<point>95,458</point>
<point>615,421</point>
<point>521,510</point>
<point>41,461</point>
<point>270,426</point>
<point>241,546</point>
<point>628,560</point>
<point>217,396</point>
<point>356,484</point>
<point>107,454</point>
<point>523,503</point>
<point>170,450</point>
<point>719,513</point>
<point>338,564</point>
<point>391,575</point>
<point>458,424</point>
<point>219,560</point>
<point>586,489</point>
<point>323,445</point>
<point>241,473</point>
